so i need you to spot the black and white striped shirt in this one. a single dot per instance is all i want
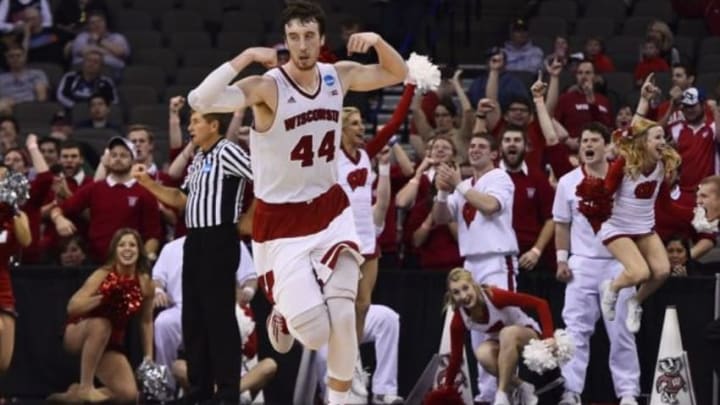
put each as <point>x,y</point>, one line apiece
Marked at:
<point>214,185</point>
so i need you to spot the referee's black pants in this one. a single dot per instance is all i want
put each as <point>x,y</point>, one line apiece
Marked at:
<point>210,332</point>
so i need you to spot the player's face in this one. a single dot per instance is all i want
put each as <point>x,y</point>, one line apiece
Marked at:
<point>680,78</point>
<point>354,131</point>
<point>592,147</point>
<point>443,119</point>
<point>655,142</point>
<point>479,153</point>
<point>72,256</point>
<point>693,113</point>
<point>709,198</point>
<point>676,253</point>
<point>127,250</point>
<point>513,148</point>
<point>463,293</point>
<point>303,41</point>
<point>49,152</point>
<point>14,160</point>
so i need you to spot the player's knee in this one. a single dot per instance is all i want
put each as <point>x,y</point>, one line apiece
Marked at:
<point>342,311</point>
<point>362,305</point>
<point>268,368</point>
<point>639,273</point>
<point>312,327</point>
<point>510,336</point>
<point>486,355</point>
<point>98,327</point>
<point>661,272</point>
<point>126,393</point>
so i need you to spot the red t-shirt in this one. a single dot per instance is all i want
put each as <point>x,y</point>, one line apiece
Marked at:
<point>573,111</point>
<point>40,186</point>
<point>8,247</point>
<point>532,206</point>
<point>602,64</point>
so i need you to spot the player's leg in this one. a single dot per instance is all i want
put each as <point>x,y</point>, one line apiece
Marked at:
<point>382,326</point>
<point>7,340</point>
<point>168,337</point>
<point>623,361</point>
<point>339,293</point>
<point>115,373</point>
<point>635,271</point>
<point>513,339</point>
<point>369,270</point>
<point>258,376</point>
<point>580,312</point>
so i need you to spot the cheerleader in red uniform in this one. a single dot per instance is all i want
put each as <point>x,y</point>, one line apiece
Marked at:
<point>497,313</point>
<point>98,316</point>
<point>621,209</point>
<point>14,235</point>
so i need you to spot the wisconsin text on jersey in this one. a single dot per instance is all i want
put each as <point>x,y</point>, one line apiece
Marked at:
<point>310,116</point>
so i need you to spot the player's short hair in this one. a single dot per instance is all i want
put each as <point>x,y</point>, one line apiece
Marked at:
<point>49,139</point>
<point>221,118</point>
<point>306,12</point>
<point>597,128</point>
<point>70,144</point>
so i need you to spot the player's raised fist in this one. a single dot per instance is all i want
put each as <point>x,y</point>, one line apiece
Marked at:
<point>139,173</point>
<point>362,42</point>
<point>262,55</point>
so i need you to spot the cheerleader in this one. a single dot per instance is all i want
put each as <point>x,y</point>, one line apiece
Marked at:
<point>498,314</point>
<point>14,235</point>
<point>639,176</point>
<point>98,316</point>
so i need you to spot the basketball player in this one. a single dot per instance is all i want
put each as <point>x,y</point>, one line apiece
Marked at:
<point>304,239</point>
<point>589,264</point>
<point>482,207</point>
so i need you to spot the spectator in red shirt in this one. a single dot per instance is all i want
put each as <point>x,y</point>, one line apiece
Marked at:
<point>669,112</point>
<point>532,200</point>
<point>581,104</point>
<point>595,53</point>
<point>651,61</point>
<point>114,203</point>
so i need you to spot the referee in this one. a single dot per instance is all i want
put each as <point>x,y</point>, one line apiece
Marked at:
<point>211,196</point>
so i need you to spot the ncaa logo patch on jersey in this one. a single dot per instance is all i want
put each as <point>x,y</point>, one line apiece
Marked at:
<point>329,80</point>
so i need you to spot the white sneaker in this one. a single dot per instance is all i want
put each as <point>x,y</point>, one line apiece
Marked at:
<point>278,334</point>
<point>634,315</point>
<point>525,394</point>
<point>501,398</point>
<point>628,401</point>
<point>387,399</point>
<point>607,301</point>
<point>360,381</point>
<point>570,398</point>
<point>355,399</point>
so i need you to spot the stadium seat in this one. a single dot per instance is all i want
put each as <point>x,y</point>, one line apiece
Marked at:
<point>565,9</point>
<point>153,115</point>
<point>152,76</point>
<point>595,27</point>
<point>181,21</point>
<point>132,94</point>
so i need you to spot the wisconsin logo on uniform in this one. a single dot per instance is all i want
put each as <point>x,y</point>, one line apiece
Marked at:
<point>468,213</point>
<point>132,200</point>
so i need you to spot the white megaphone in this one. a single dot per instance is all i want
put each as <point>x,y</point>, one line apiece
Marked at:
<point>672,384</point>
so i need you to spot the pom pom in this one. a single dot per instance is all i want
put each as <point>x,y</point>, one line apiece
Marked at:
<point>14,189</point>
<point>595,201</point>
<point>154,381</point>
<point>701,223</point>
<point>443,396</point>
<point>422,73</point>
<point>122,297</point>
<point>539,356</point>
<point>246,324</point>
<point>564,346</point>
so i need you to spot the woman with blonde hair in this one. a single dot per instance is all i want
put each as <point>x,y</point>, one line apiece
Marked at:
<point>499,314</point>
<point>640,176</point>
<point>99,313</point>
<point>660,31</point>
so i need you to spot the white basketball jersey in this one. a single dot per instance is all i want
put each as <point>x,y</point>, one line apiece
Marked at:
<point>498,319</point>
<point>356,178</point>
<point>294,160</point>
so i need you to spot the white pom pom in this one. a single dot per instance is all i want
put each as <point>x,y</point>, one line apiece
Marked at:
<point>701,223</point>
<point>565,347</point>
<point>422,73</point>
<point>246,324</point>
<point>538,356</point>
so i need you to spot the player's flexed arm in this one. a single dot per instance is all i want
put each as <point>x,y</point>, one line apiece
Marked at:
<point>389,70</point>
<point>216,95</point>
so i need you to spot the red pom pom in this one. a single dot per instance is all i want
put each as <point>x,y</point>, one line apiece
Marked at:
<point>122,297</point>
<point>595,201</point>
<point>443,396</point>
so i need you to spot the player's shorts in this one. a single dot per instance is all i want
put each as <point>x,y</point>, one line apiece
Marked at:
<point>293,265</point>
<point>613,229</point>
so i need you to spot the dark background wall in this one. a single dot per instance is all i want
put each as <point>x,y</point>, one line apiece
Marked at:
<point>40,365</point>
